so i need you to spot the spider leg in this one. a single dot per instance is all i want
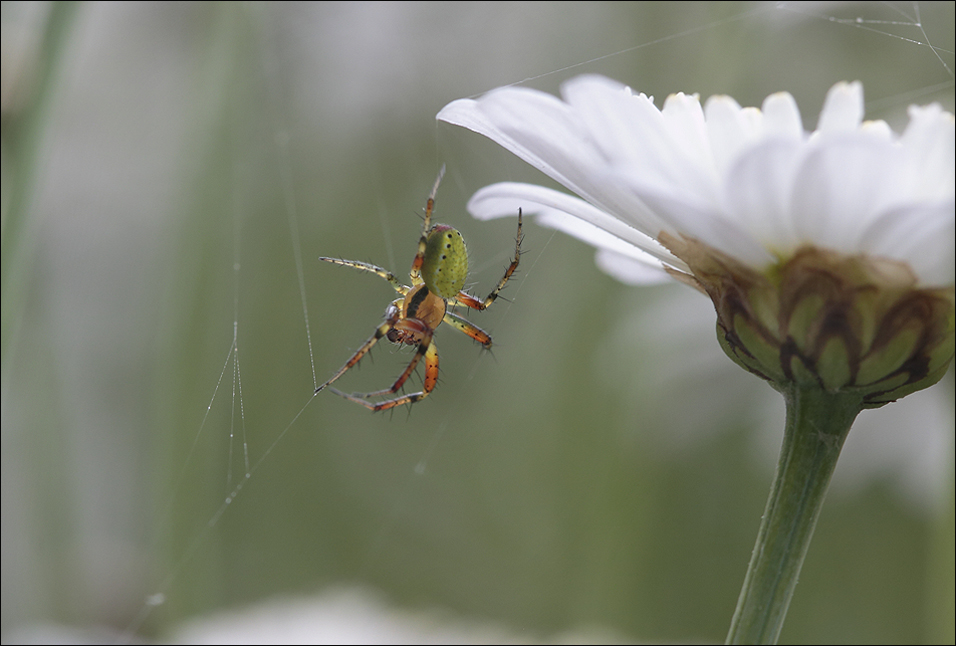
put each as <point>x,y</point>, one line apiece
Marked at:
<point>423,348</point>
<point>469,328</point>
<point>372,269</point>
<point>392,316</point>
<point>426,349</point>
<point>416,272</point>
<point>474,303</point>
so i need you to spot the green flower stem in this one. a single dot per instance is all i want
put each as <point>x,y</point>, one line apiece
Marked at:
<point>817,425</point>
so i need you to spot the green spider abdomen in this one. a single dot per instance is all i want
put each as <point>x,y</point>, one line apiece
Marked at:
<point>445,266</point>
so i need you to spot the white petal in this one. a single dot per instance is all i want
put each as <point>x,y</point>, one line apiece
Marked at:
<point>842,186</point>
<point>628,131</point>
<point>688,133</point>
<point>758,191</point>
<point>702,220</point>
<point>629,271</point>
<point>930,148</point>
<point>922,236</point>
<point>843,109</point>
<point>667,149</point>
<point>530,124</point>
<point>729,128</point>
<point>614,117</point>
<point>878,129</point>
<point>543,131</point>
<point>782,117</point>
<point>570,215</point>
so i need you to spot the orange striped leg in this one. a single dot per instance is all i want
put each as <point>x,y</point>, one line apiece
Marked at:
<point>416,272</point>
<point>474,303</point>
<point>469,328</point>
<point>409,369</point>
<point>391,318</point>
<point>428,350</point>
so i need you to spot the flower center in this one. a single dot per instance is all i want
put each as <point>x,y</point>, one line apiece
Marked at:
<point>826,320</point>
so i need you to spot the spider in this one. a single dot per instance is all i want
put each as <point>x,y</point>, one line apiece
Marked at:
<point>437,275</point>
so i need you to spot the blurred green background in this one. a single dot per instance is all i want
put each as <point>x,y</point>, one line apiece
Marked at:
<point>165,169</point>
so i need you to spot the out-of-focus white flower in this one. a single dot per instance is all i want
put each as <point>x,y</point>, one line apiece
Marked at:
<point>359,616</point>
<point>829,256</point>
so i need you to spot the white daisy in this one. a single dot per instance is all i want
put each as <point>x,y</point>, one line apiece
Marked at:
<point>829,255</point>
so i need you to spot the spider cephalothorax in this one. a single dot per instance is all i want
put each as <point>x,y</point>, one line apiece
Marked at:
<point>438,275</point>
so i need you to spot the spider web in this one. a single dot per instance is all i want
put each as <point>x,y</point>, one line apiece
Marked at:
<point>152,464</point>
